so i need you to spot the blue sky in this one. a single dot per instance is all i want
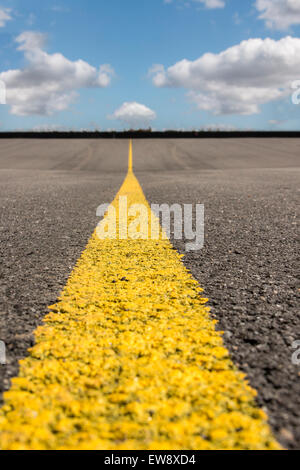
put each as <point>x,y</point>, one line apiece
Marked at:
<point>209,69</point>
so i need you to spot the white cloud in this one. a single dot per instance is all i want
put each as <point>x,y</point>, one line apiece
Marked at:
<point>134,114</point>
<point>276,122</point>
<point>49,82</point>
<point>50,128</point>
<point>210,4</point>
<point>279,14</point>
<point>219,127</point>
<point>213,3</point>
<point>31,40</point>
<point>239,79</point>
<point>4,16</point>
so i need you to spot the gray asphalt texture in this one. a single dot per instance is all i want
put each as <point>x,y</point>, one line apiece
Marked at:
<point>49,192</point>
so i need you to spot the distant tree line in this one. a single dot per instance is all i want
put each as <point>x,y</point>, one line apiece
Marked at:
<point>147,133</point>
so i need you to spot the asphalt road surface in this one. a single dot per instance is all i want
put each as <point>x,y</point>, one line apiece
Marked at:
<point>49,193</point>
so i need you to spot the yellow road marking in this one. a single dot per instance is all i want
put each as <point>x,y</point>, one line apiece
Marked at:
<point>129,358</point>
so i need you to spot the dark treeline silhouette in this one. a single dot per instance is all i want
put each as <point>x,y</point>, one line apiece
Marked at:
<point>147,134</point>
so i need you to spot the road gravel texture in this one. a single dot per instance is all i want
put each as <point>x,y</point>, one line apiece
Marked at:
<point>47,217</point>
<point>49,192</point>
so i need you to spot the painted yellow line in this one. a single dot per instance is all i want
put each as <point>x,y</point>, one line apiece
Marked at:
<point>129,358</point>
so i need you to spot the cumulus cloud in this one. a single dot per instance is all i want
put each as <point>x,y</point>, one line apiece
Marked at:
<point>279,14</point>
<point>210,4</point>
<point>134,114</point>
<point>49,82</point>
<point>213,3</point>
<point>4,16</point>
<point>31,40</point>
<point>239,79</point>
